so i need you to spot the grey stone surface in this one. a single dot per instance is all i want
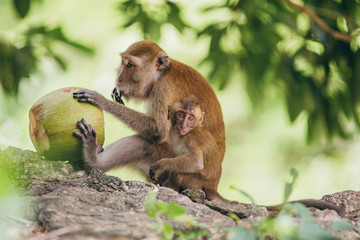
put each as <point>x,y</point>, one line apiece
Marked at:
<point>62,199</point>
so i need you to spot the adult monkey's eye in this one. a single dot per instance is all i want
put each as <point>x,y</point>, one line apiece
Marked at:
<point>129,64</point>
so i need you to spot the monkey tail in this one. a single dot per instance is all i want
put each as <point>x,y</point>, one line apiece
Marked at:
<point>319,204</point>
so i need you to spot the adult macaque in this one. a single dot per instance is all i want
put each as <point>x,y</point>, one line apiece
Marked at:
<point>148,74</point>
<point>196,163</point>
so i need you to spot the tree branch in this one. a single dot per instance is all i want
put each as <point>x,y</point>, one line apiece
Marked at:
<point>338,35</point>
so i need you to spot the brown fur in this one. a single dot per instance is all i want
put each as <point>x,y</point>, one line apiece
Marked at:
<point>148,74</point>
<point>196,161</point>
<point>157,79</point>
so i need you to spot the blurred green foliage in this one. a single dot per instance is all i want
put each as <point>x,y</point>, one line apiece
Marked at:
<point>10,201</point>
<point>280,48</point>
<point>150,16</point>
<point>173,212</point>
<point>305,52</point>
<point>294,221</point>
<point>7,173</point>
<point>19,60</point>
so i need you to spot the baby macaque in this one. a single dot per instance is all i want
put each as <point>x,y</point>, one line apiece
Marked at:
<point>196,160</point>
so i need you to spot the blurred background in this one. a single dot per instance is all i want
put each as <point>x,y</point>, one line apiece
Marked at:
<point>286,74</point>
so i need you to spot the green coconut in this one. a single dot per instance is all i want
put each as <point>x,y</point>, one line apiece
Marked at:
<point>53,120</point>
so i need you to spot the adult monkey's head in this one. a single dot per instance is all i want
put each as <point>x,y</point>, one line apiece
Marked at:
<point>143,63</point>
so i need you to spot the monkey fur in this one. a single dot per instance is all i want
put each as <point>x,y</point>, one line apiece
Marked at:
<point>147,74</point>
<point>196,163</point>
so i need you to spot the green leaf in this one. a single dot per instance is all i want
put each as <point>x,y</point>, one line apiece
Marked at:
<point>233,216</point>
<point>299,209</point>
<point>150,203</point>
<point>139,17</point>
<point>36,30</point>
<point>152,212</point>
<point>252,200</point>
<point>57,58</point>
<point>341,225</point>
<point>287,191</point>
<point>174,17</point>
<point>59,35</point>
<point>197,234</point>
<point>294,99</point>
<point>294,173</point>
<point>310,230</point>
<point>160,207</point>
<point>22,7</point>
<point>240,233</point>
<point>289,185</point>
<point>174,210</point>
<point>167,231</point>
<point>150,198</point>
<point>342,24</point>
<point>60,61</point>
<point>16,64</point>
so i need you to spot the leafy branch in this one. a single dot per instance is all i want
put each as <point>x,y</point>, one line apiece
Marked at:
<point>320,22</point>
<point>19,61</point>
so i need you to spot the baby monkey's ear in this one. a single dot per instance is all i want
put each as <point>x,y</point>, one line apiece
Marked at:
<point>168,112</point>
<point>201,119</point>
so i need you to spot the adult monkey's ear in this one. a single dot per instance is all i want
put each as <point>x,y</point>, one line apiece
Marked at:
<point>163,61</point>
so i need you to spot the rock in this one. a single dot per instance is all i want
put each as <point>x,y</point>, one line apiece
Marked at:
<point>70,204</point>
<point>118,212</point>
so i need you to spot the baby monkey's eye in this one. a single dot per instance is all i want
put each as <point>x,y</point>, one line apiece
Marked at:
<point>180,115</point>
<point>191,118</point>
